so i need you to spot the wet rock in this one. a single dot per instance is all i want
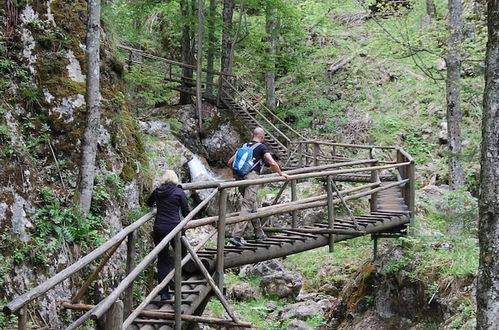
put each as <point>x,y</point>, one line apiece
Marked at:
<point>283,284</point>
<point>298,325</point>
<point>244,291</point>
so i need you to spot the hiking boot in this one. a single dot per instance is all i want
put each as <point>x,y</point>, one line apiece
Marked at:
<point>260,239</point>
<point>236,241</point>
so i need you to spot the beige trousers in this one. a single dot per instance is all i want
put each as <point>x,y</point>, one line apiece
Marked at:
<point>248,205</point>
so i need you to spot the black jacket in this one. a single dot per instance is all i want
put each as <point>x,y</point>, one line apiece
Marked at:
<point>169,200</point>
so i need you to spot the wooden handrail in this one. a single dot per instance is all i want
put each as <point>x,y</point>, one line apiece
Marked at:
<point>272,113</point>
<point>243,183</point>
<point>257,111</point>
<point>165,60</point>
<point>346,145</point>
<point>104,305</point>
<point>21,300</point>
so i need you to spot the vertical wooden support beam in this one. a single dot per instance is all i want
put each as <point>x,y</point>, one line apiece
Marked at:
<point>316,154</point>
<point>293,198</point>
<point>374,196</point>
<point>306,154</point>
<point>300,154</point>
<point>130,260</point>
<point>22,318</point>
<point>411,198</point>
<point>178,281</point>
<point>130,56</point>
<point>199,72</point>
<point>330,211</point>
<point>400,159</point>
<point>334,151</point>
<point>222,209</point>
<point>114,316</point>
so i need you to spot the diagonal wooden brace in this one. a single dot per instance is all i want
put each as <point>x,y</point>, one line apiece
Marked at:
<point>350,214</point>
<point>210,281</point>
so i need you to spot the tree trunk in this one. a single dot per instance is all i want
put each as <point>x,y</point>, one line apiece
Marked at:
<point>271,23</point>
<point>211,45</point>
<point>199,62</point>
<point>89,149</point>
<point>453,93</point>
<point>431,10</point>
<point>228,11</point>
<point>488,271</point>
<point>187,55</point>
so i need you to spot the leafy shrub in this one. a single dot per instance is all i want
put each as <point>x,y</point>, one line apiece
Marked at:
<point>66,223</point>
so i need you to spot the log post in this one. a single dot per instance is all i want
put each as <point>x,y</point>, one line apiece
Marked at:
<point>375,247</point>
<point>373,200</point>
<point>130,55</point>
<point>330,211</point>
<point>411,198</point>
<point>316,154</point>
<point>130,259</point>
<point>178,281</point>
<point>300,154</point>
<point>222,209</point>
<point>22,318</point>
<point>293,198</point>
<point>114,316</point>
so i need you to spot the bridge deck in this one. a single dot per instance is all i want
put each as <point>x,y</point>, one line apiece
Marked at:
<point>392,213</point>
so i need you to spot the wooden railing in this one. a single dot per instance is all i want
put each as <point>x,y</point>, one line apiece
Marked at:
<point>402,165</point>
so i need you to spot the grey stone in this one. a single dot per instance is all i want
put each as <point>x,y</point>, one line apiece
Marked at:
<point>244,291</point>
<point>302,311</point>
<point>298,325</point>
<point>74,68</point>
<point>20,208</point>
<point>263,268</point>
<point>283,284</point>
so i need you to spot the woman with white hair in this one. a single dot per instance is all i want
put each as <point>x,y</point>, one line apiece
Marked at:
<point>170,201</point>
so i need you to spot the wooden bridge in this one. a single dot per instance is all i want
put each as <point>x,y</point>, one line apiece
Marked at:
<point>382,174</point>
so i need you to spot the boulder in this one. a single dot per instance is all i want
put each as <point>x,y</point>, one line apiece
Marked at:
<point>243,291</point>
<point>283,284</point>
<point>302,311</point>
<point>298,325</point>
<point>263,268</point>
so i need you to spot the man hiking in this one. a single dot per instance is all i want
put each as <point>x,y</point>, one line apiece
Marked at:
<point>247,163</point>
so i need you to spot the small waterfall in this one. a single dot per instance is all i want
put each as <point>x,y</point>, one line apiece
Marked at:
<point>199,172</point>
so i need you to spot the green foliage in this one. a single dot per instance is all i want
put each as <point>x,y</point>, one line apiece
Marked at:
<point>107,187</point>
<point>147,87</point>
<point>66,224</point>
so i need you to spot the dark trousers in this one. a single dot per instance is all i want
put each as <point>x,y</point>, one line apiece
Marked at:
<point>165,262</point>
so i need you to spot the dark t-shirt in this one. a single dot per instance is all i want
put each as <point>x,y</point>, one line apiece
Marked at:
<point>258,153</point>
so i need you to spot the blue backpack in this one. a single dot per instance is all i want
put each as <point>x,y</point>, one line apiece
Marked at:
<point>243,161</point>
